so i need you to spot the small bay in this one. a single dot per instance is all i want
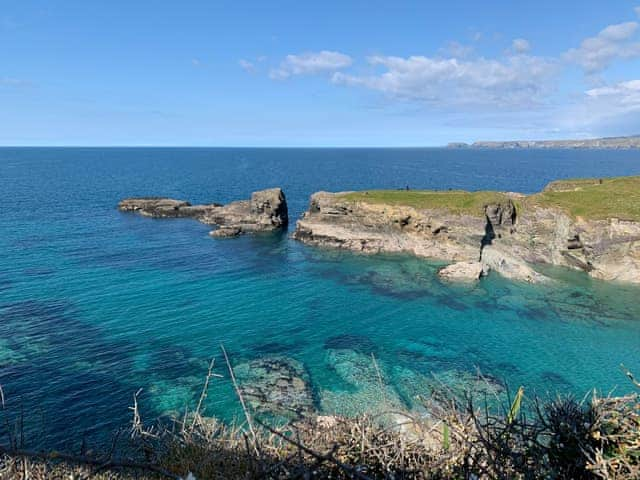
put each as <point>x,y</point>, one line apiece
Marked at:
<point>96,304</point>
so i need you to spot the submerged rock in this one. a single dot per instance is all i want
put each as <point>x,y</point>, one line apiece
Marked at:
<point>266,211</point>
<point>365,387</point>
<point>347,341</point>
<point>276,385</point>
<point>509,266</point>
<point>463,271</point>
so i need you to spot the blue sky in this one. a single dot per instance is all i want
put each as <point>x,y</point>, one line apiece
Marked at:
<point>366,73</point>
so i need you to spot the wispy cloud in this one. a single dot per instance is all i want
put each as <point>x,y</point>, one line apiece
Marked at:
<point>520,45</point>
<point>14,82</point>
<point>613,42</point>
<point>517,80</point>
<point>247,66</point>
<point>612,109</point>
<point>311,63</point>
<point>458,50</point>
<point>622,97</point>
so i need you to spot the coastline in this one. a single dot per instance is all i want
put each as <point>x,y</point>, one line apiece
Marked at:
<point>591,225</point>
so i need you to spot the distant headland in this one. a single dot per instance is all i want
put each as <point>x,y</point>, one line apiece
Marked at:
<point>591,143</point>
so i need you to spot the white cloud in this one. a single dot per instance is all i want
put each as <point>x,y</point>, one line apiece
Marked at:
<point>311,63</point>
<point>613,109</point>
<point>637,10</point>
<point>520,45</point>
<point>517,80</point>
<point>622,97</point>
<point>597,53</point>
<point>246,65</point>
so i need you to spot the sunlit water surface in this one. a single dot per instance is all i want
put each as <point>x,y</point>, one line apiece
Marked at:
<point>96,304</point>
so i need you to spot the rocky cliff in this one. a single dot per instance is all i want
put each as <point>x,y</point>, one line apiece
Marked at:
<point>589,143</point>
<point>265,211</point>
<point>590,225</point>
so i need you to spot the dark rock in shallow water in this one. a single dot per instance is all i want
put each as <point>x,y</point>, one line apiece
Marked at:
<point>555,381</point>
<point>276,385</point>
<point>271,348</point>
<point>357,343</point>
<point>266,211</point>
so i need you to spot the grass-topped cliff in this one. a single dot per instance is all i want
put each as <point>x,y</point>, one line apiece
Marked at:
<point>587,198</point>
<point>594,199</point>
<point>455,201</point>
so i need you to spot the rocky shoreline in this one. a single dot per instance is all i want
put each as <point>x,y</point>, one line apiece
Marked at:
<point>591,225</point>
<point>508,233</point>
<point>265,211</point>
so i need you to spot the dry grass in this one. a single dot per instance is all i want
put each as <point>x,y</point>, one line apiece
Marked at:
<point>525,439</point>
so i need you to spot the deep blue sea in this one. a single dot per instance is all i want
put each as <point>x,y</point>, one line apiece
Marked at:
<point>96,304</point>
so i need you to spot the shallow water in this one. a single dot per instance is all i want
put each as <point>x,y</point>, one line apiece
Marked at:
<point>95,304</point>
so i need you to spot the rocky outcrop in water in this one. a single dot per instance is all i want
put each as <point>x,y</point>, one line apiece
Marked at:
<point>463,271</point>
<point>507,236</point>
<point>277,386</point>
<point>266,211</point>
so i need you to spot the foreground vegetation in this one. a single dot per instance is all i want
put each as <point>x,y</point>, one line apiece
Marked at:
<point>598,438</point>
<point>587,198</point>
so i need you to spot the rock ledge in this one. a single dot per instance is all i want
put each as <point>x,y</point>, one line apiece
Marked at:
<point>266,211</point>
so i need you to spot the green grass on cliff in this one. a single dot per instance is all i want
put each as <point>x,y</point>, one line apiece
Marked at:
<point>593,198</point>
<point>589,198</point>
<point>455,201</point>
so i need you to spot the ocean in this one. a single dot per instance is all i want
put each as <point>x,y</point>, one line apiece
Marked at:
<point>96,304</point>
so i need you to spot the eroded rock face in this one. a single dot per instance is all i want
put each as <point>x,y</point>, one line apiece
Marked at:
<point>371,228</point>
<point>265,211</point>
<point>506,240</point>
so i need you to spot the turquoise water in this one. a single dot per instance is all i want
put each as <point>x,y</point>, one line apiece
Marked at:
<point>95,304</point>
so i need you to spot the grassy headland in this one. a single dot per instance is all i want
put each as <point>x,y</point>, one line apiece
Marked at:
<point>594,199</point>
<point>589,198</point>
<point>455,201</point>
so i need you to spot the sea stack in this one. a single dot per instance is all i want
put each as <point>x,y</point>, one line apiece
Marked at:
<point>265,211</point>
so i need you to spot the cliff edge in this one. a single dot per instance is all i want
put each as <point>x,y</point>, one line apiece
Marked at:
<point>587,224</point>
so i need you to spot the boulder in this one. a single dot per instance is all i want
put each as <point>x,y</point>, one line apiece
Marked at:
<point>463,271</point>
<point>509,265</point>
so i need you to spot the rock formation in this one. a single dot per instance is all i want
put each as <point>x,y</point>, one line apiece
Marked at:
<point>463,271</point>
<point>507,235</point>
<point>276,385</point>
<point>265,211</point>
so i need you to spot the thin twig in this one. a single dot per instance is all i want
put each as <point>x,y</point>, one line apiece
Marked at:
<point>327,457</point>
<point>86,460</point>
<point>247,415</point>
